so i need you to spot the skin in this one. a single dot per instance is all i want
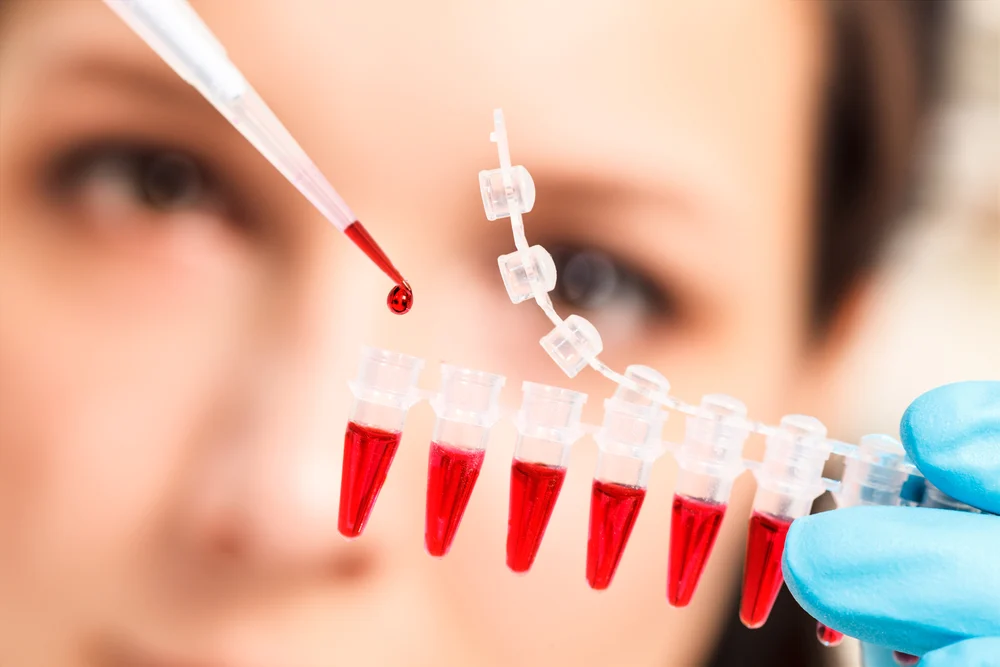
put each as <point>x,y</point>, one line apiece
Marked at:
<point>174,380</point>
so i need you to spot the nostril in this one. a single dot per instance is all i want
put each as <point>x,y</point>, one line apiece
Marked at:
<point>228,544</point>
<point>353,564</point>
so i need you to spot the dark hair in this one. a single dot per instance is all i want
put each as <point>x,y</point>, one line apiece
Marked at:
<point>884,77</point>
<point>885,66</point>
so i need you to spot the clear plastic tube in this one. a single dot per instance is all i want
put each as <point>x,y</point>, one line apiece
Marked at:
<point>466,407</point>
<point>548,424</point>
<point>384,391</point>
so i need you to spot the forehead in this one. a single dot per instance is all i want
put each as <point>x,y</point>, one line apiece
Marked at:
<point>710,99</point>
<point>639,63</point>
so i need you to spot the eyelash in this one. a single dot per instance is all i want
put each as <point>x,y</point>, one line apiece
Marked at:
<point>593,279</point>
<point>161,180</point>
<point>589,278</point>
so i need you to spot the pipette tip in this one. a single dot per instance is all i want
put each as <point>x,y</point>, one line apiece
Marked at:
<point>400,299</point>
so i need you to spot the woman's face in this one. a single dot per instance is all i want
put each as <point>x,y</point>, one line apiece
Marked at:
<point>179,325</point>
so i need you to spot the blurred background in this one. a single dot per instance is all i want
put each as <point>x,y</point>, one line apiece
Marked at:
<point>178,326</point>
<point>937,313</point>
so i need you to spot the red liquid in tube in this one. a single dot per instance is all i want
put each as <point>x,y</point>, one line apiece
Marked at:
<point>762,576</point>
<point>534,488</point>
<point>452,474</point>
<point>828,636</point>
<point>368,453</point>
<point>694,525</point>
<point>613,511</point>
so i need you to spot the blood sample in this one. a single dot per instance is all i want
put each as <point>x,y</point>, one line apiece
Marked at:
<point>452,474</point>
<point>368,453</point>
<point>357,233</point>
<point>762,576</point>
<point>694,525</point>
<point>361,238</point>
<point>904,659</point>
<point>400,299</point>
<point>827,636</point>
<point>613,511</point>
<point>534,488</point>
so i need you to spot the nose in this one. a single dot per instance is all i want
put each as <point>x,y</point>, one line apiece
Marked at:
<point>263,488</point>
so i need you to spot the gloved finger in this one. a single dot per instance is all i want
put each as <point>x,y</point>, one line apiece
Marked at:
<point>913,579</point>
<point>952,434</point>
<point>978,652</point>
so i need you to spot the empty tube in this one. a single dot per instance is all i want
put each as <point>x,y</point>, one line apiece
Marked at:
<point>875,476</point>
<point>934,498</point>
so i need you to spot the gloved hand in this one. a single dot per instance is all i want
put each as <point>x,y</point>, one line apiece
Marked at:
<point>918,580</point>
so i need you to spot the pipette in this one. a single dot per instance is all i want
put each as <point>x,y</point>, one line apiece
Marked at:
<point>178,35</point>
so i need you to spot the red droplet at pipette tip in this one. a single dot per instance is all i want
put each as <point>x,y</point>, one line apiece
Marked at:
<point>694,525</point>
<point>368,453</point>
<point>905,659</point>
<point>613,511</point>
<point>827,636</point>
<point>762,576</point>
<point>534,489</point>
<point>451,475</point>
<point>400,299</point>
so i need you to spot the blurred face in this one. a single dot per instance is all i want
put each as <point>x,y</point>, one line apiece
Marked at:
<point>179,325</point>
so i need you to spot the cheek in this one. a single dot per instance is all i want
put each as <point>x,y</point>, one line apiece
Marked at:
<point>749,351</point>
<point>107,367</point>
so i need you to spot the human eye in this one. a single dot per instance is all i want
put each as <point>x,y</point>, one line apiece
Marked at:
<point>110,180</point>
<point>610,286</point>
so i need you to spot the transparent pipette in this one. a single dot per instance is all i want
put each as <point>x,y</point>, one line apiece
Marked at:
<point>178,35</point>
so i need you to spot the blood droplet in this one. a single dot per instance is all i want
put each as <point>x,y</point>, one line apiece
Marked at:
<point>828,636</point>
<point>400,299</point>
<point>904,659</point>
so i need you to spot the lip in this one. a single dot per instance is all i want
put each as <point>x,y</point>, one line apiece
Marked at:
<point>131,656</point>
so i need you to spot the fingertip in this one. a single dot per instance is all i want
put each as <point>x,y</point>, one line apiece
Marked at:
<point>798,568</point>
<point>950,433</point>
<point>977,652</point>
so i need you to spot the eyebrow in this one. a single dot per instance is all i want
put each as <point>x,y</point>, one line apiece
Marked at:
<point>156,83</point>
<point>586,188</point>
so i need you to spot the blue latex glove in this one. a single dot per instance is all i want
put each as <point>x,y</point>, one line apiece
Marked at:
<point>922,581</point>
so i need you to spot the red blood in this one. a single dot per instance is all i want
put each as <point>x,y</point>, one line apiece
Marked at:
<point>400,299</point>
<point>357,233</point>
<point>534,488</point>
<point>762,577</point>
<point>904,659</point>
<point>613,511</point>
<point>368,453</point>
<point>694,525</point>
<point>828,636</point>
<point>451,476</point>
